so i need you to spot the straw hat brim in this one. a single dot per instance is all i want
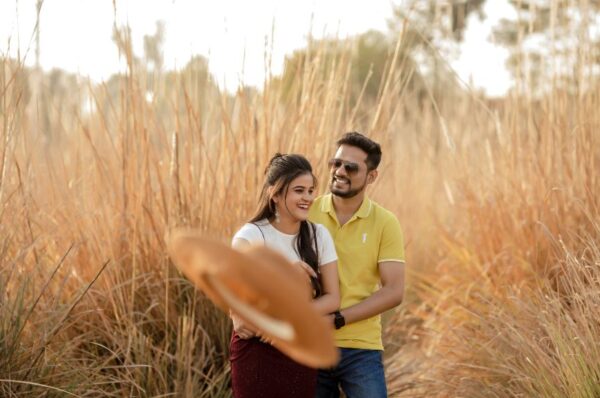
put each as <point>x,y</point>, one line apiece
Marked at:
<point>263,288</point>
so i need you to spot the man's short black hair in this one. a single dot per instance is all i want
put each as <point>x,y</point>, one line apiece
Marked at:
<point>371,148</point>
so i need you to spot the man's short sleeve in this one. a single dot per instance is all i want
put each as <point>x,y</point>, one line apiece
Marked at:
<point>391,246</point>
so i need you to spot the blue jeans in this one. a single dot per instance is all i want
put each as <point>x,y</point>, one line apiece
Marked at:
<point>359,374</point>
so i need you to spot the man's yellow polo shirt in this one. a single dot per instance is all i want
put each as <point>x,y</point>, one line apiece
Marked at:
<point>371,236</point>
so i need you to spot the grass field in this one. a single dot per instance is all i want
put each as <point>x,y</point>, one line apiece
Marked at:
<point>499,201</point>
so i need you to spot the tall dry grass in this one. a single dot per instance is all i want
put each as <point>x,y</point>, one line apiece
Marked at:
<point>508,306</point>
<point>498,199</point>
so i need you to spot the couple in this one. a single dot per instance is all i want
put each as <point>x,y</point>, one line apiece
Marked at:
<point>353,251</point>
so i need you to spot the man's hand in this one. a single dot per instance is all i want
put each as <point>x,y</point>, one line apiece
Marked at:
<point>330,318</point>
<point>241,328</point>
<point>389,296</point>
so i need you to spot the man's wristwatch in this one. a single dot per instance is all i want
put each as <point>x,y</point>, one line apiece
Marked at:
<point>338,320</point>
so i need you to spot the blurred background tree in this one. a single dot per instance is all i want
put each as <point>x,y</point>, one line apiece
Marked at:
<point>553,44</point>
<point>432,31</point>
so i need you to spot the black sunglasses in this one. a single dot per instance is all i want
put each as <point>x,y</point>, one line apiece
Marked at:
<point>350,167</point>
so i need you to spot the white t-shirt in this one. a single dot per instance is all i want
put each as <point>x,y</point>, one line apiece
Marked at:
<point>286,244</point>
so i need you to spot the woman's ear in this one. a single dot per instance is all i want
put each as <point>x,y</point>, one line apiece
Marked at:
<point>271,195</point>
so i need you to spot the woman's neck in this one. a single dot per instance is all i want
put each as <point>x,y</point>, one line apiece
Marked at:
<point>286,225</point>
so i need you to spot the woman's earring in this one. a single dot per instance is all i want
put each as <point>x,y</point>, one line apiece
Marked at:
<point>277,219</point>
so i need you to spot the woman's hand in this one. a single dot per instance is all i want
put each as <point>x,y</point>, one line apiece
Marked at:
<point>307,268</point>
<point>266,340</point>
<point>311,274</point>
<point>241,328</point>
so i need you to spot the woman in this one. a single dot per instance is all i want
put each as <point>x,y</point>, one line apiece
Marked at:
<point>257,368</point>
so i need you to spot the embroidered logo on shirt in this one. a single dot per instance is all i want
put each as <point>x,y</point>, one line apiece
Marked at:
<point>364,238</point>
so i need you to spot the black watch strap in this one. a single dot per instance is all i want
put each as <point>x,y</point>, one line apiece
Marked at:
<point>339,321</point>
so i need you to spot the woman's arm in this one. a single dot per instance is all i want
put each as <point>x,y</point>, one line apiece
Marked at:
<point>241,328</point>
<point>239,243</point>
<point>329,301</point>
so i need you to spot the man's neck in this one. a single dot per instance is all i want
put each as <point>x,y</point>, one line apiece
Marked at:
<point>345,208</point>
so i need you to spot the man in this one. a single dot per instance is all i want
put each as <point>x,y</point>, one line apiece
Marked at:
<point>370,249</point>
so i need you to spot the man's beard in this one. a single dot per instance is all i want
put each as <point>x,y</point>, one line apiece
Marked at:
<point>350,193</point>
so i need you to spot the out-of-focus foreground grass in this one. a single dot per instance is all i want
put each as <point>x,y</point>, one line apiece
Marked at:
<point>499,201</point>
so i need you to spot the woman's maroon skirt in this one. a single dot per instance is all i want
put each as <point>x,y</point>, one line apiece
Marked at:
<point>260,370</point>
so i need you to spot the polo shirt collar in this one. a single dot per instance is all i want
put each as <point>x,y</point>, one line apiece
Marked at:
<point>365,208</point>
<point>363,211</point>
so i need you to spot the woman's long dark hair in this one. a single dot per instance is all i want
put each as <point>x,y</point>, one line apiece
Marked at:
<point>282,169</point>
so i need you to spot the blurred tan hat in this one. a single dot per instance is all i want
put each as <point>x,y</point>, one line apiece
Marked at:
<point>263,288</point>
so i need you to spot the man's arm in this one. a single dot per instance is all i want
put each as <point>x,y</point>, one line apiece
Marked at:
<point>389,296</point>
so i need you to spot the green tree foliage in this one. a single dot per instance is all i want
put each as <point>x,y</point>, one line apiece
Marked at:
<point>189,88</point>
<point>431,31</point>
<point>172,94</point>
<point>364,60</point>
<point>552,43</point>
<point>153,46</point>
<point>432,19</point>
<point>373,51</point>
